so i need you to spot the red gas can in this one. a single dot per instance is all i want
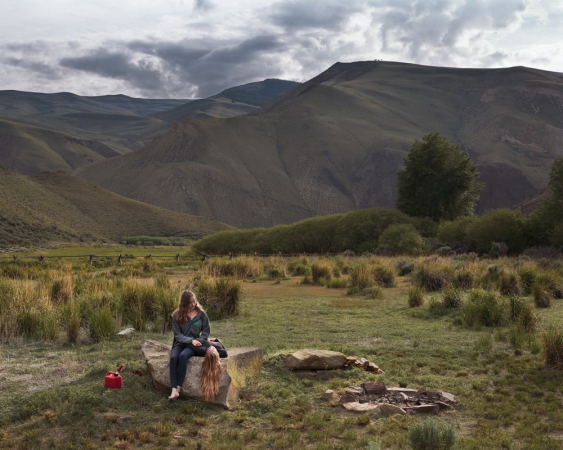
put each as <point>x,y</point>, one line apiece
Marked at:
<point>113,379</point>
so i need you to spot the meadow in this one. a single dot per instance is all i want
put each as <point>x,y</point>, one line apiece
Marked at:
<point>490,331</point>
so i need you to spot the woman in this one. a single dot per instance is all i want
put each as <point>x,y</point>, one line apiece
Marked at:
<point>190,325</point>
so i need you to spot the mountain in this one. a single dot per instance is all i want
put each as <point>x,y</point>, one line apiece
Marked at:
<point>28,150</point>
<point>116,123</point>
<point>58,206</point>
<point>335,143</point>
<point>260,93</point>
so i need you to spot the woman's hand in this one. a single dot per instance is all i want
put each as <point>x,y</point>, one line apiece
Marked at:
<point>196,343</point>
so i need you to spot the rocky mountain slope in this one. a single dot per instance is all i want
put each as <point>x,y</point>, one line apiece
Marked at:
<point>57,206</point>
<point>106,126</point>
<point>335,143</point>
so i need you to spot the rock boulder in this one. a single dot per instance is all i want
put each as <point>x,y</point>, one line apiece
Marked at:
<point>241,364</point>
<point>309,359</point>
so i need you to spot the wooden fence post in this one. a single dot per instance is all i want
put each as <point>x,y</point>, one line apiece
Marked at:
<point>91,260</point>
<point>177,257</point>
<point>41,259</point>
<point>15,257</point>
<point>119,259</point>
<point>148,256</point>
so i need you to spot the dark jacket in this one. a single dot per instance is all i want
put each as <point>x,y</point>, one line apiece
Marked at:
<point>197,328</point>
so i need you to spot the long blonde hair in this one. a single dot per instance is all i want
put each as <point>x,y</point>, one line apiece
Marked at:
<point>211,375</point>
<point>181,313</point>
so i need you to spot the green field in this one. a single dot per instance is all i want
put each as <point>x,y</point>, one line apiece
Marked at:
<point>52,394</point>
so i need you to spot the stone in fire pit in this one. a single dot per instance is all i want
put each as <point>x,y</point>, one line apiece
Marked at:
<point>395,400</point>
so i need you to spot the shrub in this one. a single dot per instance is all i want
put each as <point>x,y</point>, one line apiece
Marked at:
<point>220,297</point>
<point>552,340</point>
<point>542,296</point>
<point>452,297</point>
<point>528,275</point>
<point>373,292</point>
<point>321,269</point>
<point>241,267</point>
<point>498,249</point>
<point>337,283</point>
<point>416,296</point>
<point>432,435</point>
<point>523,313</point>
<point>277,272</point>
<point>103,325</point>
<point>360,275</point>
<point>484,308</point>
<point>402,237</point>
<point>405,267</point>
<point>509,284</point>
<point>464,279</point>
<point>384,276</point>
<point>455,231</point>
<point>499,225</point>
<point>70,318</point>
<point>444,251</point>
<point>431,277</point>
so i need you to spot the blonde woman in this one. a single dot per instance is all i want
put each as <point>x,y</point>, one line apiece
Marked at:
<point>191,328</point>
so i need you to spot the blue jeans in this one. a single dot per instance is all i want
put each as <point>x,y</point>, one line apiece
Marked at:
<point>179,362</point>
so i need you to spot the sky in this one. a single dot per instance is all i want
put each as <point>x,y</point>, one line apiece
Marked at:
<point>197,48</point>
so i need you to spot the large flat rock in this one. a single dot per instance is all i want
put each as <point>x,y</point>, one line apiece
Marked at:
<point>241,364</point>
<point>311,359</point>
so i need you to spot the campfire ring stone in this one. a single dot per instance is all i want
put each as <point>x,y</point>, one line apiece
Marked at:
<point>310,359</point>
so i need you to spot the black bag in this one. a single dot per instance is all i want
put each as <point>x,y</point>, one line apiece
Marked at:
<point>219,347</point>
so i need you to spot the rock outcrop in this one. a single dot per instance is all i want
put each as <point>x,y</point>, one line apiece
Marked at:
<point>309,359</point>
<point>241,364</point>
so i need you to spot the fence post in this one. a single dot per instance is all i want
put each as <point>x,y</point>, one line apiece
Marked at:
<point>230,255</point>
<point>91,260</point>
<point>15,257</point>
<point>119,259</point>
<point>41,259</point>
<point>177,257</point>
<point>148,256</point>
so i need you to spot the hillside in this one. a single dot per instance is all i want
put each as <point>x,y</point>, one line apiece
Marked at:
<point>119,123</point>
<point>260,93</point>
<point>57,206</point>
<point>335,143</point>
<point>28,150</point>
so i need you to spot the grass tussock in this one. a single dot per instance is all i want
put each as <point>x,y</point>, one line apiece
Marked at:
<point>432,275</point>
<point>415,296</point>
<point>552,340</point>
<point>240,267</point>
<point>485,308</point>
<point>433,435</point>
<point>221,297</point>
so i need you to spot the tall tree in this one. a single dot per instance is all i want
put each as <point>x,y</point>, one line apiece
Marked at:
<point>438,181</point>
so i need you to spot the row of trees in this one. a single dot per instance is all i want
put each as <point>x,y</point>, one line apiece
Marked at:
<point>439,181</point>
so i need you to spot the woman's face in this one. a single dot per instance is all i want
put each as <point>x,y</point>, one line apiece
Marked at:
<point>192,303</point>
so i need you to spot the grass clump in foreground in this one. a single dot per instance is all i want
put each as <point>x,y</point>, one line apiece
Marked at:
<point>433,435</point>
<point>501,378</point>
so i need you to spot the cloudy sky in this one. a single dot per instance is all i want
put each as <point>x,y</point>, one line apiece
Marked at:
<point>196,48</point>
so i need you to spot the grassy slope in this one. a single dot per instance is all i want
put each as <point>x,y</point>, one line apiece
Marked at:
<point>335,143</point>
<point>119,122</point>
<point>56,206</point>
<point>504,400</point>
<point>29,150</point>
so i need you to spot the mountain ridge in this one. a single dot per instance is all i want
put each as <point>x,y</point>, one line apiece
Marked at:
<point>335,143</point>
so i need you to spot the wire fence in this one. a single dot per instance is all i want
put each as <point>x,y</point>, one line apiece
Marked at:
<point>91,258</point>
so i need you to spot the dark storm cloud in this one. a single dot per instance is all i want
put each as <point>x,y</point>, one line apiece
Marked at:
<point>46,70</point>
<point>214,66</point>
<point>117,65</point>
<point>306,14</point>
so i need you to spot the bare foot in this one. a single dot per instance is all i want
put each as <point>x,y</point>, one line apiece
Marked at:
<point>174,395</point>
